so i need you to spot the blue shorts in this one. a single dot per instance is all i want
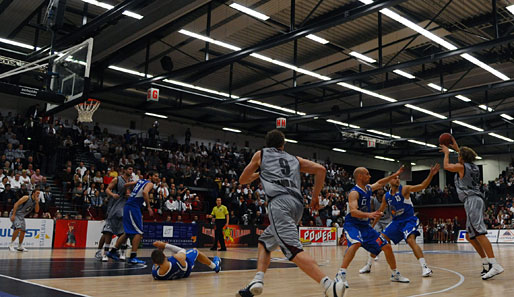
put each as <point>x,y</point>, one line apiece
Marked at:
<point>191,256</point>
<point>132,220</point>
<point>370,239</point>
<point>401,229</point>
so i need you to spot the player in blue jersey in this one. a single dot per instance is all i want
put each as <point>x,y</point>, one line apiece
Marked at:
<point>357,229</point>
<point>405,223</point>
<point>181,262</point>
<point>133,217</point>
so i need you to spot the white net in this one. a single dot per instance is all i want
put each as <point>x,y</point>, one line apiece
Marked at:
<point>86,110</point>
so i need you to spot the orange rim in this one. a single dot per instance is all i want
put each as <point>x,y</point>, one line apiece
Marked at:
<point>89,102</point>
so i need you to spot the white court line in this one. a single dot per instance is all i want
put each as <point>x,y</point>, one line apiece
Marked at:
<point>115,269</point>
<point>461,280</point>
<point>43,286</point>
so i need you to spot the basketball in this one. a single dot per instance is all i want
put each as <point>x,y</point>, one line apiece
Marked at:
<point>445,139</point>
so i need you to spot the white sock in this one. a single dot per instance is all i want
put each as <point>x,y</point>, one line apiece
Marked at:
<point>491,261</point>
<point>259,276</point>
<point>212,265</point>
<point>342,270</point>
<point>370,260</point>
<point>394,271</point>
<point>325,283</point>
<point>19,245</point>
<point>422,262</point>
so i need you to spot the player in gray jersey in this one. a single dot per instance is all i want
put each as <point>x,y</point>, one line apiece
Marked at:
<point>467,183</point>
<point>21,209</point>
<point>380,226</point>
<point>280,177</point>
<point>114,221</point>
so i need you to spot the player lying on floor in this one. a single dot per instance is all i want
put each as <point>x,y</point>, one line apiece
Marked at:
<point>181,262</point>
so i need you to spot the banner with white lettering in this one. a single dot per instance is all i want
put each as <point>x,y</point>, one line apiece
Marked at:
<point>318,235</point>
<point>492,235</point>
<point>39,233</point>
<point>506,236</point>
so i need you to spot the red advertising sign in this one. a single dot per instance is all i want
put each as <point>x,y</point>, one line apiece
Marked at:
<point>318,235</point>
<point>70,234</point>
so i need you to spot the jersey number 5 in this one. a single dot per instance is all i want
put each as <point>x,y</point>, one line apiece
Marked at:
<point>286,170</point>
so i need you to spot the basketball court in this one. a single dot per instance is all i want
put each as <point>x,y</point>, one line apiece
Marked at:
<point>375,83</point>
<point>76,273</point>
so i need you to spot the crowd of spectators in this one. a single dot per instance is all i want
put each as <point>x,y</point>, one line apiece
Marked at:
<point>193,175</point>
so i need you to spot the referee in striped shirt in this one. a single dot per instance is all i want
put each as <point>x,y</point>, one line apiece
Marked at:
<point>220,213</point>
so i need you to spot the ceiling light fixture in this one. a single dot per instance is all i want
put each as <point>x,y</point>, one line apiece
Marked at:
<point>291,140</point>
<point>384,134</point>
<point>231,130</point>
<point>436,87</point>
<point>404,74</point>
<point>16,43</point>
<point>109,7</point>
<point>463,98</point>
<point>249,11</point>
<point>468,126</point>
<point>343,124</point>
<point>317,39</point>
<point>506,116</point>
<point>362,57</point>
<point>501,137</point>
<point>156,115</point>
<point>487,108</point>
<point>426,111</point>
<point>339,150</point>
<point>385,159</point>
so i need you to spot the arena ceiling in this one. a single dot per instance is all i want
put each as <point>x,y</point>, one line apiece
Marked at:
<point>242,71</point>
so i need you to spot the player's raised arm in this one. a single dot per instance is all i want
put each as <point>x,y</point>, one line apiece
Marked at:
<point>353,199</point>
<point>457,167</point>
<point>409,189</point>
<point>249,173</point>
<point>382,182</point>
<point>110,187</point>
<point>146,197</point>
<point>454,145</point>
<point>319,172</point>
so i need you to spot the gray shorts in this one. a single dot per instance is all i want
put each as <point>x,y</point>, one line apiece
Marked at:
<point>381,226</point>
<point>114,226</point>
<point>285,212</point>
<point>19,223</point>
<point>475,225</point>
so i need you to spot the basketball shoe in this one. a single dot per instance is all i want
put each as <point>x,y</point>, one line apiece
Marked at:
<point>426,272</point>
<point>217,261</point>
<point>254,288</point>
<point>397,277</point>
<point>495,270</point>
<point>365,269</point>
<point>341,277</point>
<point>336,289</point>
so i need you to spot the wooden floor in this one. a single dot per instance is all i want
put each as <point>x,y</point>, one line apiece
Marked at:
<point>456,273</point>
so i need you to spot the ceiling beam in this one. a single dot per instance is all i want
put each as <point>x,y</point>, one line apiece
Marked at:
<point>335,20</point>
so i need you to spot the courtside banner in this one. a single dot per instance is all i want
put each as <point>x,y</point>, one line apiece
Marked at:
<point>94,233</point>
<point>234,235</point>
<point>179,234</point>
<point>318,235</point>
<point>70,234</point>
<point>39,233</point>
<point>506,236</point>
<point>492,235</point>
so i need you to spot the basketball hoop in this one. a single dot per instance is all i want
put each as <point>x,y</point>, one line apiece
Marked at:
<point>86,110</point>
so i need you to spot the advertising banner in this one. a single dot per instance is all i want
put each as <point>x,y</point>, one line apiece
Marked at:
<point>506,236</point>
<point>39,233</point>
<point>70,234</point>
<point>234,235</point>
<point>318,235</point>
<point>492,235</point>
<point>94,233</point>
<point>179,234</point>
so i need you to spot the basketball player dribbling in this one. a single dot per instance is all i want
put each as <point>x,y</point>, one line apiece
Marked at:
<point>280,177</point>
<point>467,183</point>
